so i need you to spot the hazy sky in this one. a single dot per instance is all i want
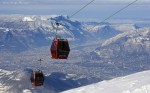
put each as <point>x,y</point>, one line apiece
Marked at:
<point>65,1</point>
<point>99,8</point>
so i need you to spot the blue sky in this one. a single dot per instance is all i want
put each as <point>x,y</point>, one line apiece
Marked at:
<point>98,9</point>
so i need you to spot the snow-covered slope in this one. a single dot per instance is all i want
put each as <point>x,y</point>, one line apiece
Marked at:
<point>135,83</point>
<point>19,82</point>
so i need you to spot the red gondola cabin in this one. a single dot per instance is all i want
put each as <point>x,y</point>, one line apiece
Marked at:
<point>37,78</point>
<point>60,49</point>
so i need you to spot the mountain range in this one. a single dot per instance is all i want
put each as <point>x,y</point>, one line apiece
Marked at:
<point>24,32</point>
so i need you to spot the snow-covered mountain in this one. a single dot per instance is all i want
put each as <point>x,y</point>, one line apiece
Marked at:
<point>125,51</point>
<point>134,43</point>
<point>123,54</point>
<point>30,32</point>
<point>135,83</point>
<point>20,32</point>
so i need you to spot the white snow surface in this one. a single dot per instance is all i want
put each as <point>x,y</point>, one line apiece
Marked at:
<point>27,19</point>
<point>135,83</point>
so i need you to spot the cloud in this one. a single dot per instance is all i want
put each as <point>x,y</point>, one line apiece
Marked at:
<point>13,2</point>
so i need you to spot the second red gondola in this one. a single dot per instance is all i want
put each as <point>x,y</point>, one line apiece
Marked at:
<point>60,48</point>
<point>37,78</point>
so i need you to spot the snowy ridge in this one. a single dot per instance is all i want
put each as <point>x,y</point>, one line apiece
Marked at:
<point>133,43</point>
<point>135,83</point>
<point>138,33</point>
<point>119,36</point>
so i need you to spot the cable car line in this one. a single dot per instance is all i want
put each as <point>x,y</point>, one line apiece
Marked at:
<point>118,11</point>
<point>104,20</point>
<point>81,9</point>
<point>57,24</point>
<point>40,60</point>
<point>108,16</point>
